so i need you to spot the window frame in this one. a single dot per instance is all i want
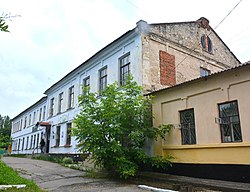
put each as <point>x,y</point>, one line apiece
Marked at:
<point>103,79</point>
<point>206,43</point>
<point>122,65</point>
<point>68,134</point>
<point>71,96</point>
<point>205,71</point>
<point>188,134</point>
<point>60,102</point>
<point>228,120</point>
<point>51,107</point>
<point>86,82</point>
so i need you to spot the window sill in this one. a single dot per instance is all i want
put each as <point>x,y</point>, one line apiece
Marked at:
<point>68,145</point>
<point>70,108</point>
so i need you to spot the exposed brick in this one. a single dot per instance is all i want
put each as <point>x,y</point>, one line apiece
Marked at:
<point>167,68</point>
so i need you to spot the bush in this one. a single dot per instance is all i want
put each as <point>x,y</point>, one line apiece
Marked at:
<point>67,160</point>
<point>48,158</point>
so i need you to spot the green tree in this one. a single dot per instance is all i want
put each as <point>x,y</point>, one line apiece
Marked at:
<point>113,127</point>
<point>5,131</point>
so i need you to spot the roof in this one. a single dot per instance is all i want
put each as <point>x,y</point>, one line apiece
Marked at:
<point>38,102</point>
<point>246,64</point>
<point>91,58</point>
<point>127,34</point>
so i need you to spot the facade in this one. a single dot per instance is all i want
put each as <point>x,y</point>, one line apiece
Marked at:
<point>157,56</point>
<point>211,118</point>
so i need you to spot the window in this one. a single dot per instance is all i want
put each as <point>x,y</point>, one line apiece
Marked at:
<point>23,144</point>
<point>71,97</point>
<point>44,112</point>
<point>34,117</point>
<point>60,102</point>
<point>34,142</point>
<point>31,138</point>
<point>52,105</point>
<point>204,72</point>
<point>206,43</point>
<point>230,122</point>
<point>37,140</point>
<point>124,69</point>
<point>27,142</point>
<point>30,119</point>
<point>68,141</point>
<point>188,127</point>
<point>40,114</point>
<point>58,128</point>
<point>86,82</point>
<point>21,124</point>
<point>102,79</point>
<point>25,122</point>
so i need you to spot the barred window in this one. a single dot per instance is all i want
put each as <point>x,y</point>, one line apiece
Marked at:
<point>230,122</point>
<point>188,127</point>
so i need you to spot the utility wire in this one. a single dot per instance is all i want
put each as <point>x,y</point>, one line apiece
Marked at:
<point>228,14</point>
<point>194,47</point>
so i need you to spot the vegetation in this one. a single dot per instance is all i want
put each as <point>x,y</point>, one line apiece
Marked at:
<point>3,25</point>
<point>67,160</point>
<point>49,158</point>
<point>10,177</point>
<point>5,131</point>
<point>113,128</point>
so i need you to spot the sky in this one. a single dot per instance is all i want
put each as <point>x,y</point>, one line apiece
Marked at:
<point>49,38</point>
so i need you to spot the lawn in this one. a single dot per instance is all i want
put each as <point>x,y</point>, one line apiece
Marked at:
<point>10,177</point>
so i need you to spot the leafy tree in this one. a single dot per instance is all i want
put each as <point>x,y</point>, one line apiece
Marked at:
<point>5,131</point>
<point>113,127</point>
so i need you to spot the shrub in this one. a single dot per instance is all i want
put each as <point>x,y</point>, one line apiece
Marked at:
<point>67,160</point>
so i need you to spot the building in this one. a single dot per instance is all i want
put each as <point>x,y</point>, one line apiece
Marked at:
<point>157,55</point>
<point>211,117</point>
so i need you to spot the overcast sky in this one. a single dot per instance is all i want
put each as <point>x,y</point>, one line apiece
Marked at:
<point>52,37</point>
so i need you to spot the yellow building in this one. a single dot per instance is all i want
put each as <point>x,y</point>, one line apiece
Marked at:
<point>211,118</point>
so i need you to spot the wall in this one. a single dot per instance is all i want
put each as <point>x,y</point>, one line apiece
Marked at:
<point>182,41</point>
<point>204,95</point>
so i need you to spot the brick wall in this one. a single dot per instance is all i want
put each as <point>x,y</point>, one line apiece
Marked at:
<point>167,68</point>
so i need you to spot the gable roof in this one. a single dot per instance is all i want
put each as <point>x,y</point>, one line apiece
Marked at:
<point>199,21</point>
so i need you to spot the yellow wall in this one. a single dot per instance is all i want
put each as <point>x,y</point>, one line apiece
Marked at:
<point>204,95</point>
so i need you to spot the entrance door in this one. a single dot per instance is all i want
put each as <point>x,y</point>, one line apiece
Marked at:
<point>47,142</point>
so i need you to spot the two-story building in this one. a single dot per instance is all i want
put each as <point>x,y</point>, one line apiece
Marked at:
<point>157,55</point>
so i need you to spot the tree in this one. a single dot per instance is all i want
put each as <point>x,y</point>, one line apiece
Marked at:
<point>113,127</point>
<point>3,25</point>
<point>6,16</point>
<point>5,131</point>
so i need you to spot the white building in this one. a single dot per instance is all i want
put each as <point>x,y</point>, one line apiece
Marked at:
<point>157,55</point>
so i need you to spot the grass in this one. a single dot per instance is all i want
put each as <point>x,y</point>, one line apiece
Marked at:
<point>10,177</point>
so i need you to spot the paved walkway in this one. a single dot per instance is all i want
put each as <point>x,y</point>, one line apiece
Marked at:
<point>54,177</point>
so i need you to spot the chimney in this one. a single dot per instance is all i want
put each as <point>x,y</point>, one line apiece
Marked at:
<point>203,23</point>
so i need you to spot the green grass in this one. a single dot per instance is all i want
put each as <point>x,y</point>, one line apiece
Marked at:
<point>10,177</point>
